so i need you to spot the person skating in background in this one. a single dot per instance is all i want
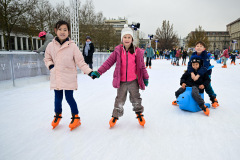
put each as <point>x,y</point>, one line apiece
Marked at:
<point>184,57</point>
<point>233,57</point>
<point>168,54</point>
<point>202,54</point>
<point>197,86</point>
<point>178,56</point>
<point>161,54</point>
<point>157,54</point>
<point>130,75</point>
<point>61,57</point>
<point>150,53</point>
<point>173,51</point>
<point>47,38</point>
<point>224,57</point>
<point>216,54</point>
<point>88,51</point>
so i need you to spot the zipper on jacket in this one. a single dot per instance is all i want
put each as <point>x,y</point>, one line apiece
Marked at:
<point>126,64</point>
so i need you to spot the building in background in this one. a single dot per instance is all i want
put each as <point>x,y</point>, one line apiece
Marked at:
<point>21,41</point>
<point>217,39</point>
<point>234,31</point>
<point>118,25</point>
<point>181,43</point>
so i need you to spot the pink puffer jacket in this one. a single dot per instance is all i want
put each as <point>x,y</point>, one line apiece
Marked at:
<point>63,76</point>
<point>115,57</point>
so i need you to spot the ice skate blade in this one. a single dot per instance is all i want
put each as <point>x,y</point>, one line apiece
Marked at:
<point>75,127</point>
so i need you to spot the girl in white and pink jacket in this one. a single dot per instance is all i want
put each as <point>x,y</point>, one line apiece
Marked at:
<point>61,57</point>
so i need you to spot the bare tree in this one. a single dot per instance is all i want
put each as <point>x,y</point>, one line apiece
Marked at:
<point>10,14</point>
<point>166,36</point>
<point>63,12</point>
<point>198,35</point>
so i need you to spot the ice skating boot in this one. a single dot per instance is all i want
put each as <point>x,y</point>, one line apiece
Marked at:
<point>75,122</point>
<point>140,118</point>
<point>113,121</point>
<point>146,66</point>
<point>184,64</point>
<point>214,101</point>
<point>150,67</point>
<point>234,63</point>
<point>224,66</point>
<point>206,110</point>
<point>56,120</point>
<point>174,103</point>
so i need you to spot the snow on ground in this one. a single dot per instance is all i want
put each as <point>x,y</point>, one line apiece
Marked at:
<point>169,133</point>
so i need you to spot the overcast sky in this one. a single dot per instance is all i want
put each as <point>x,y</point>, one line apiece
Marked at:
<point>185,15</point>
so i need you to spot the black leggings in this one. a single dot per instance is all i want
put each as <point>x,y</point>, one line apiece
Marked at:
<point>149,63</point>
<point>184,60</point>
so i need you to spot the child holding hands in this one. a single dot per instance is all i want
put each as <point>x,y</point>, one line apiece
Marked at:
<point>130,75</point>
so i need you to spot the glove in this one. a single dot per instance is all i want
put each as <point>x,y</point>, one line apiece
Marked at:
<point>94,74</point>
<point>145,82</point>
<point>51,66</point>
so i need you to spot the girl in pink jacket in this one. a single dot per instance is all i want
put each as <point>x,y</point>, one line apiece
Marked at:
<point>61,57</point>
<point>130,74</point>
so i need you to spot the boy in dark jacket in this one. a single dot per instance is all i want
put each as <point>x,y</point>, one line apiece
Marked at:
<point>202,54</point>
<point>197,86</point>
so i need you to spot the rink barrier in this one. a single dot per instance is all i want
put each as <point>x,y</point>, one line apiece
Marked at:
<point>18,64</point>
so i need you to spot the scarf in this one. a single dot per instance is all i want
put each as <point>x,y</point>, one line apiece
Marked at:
<point>87,48</point>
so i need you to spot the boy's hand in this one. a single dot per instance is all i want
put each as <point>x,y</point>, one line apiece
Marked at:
<point>184,85</point>
<point>145,82</point>
<point>196,77</point>
<point>201,86</point>
<point>94,74</point>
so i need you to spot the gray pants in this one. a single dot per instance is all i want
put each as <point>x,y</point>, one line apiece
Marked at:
<point>224,60</point>
<point>120,100</point>
<point>195,95</point>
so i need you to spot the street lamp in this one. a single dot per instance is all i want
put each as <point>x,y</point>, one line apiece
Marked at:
<point>156,41</point>
<point>234,42</point>
<point>150,37</point>
<point>135,27</point>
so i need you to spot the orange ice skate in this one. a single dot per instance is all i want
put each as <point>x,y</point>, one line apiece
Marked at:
<point>56,120</point>
<point>75,122</point>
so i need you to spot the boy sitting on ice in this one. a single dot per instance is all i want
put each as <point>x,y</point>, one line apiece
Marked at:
<point>197,86</point>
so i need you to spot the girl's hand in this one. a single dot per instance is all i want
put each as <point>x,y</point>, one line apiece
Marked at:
<point>94,74</point>
<point>51,66</point>
<point>145,82</point>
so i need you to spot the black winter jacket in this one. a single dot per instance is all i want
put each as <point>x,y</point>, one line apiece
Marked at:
<point>88,59</point>
<point>187,79</point>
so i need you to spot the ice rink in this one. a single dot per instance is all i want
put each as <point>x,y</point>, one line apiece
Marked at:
<point>169,134</point>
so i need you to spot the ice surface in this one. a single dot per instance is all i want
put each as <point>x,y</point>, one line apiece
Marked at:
<point>169,133</point>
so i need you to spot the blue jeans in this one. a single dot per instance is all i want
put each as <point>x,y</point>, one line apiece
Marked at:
<point>69,97</point>
<point>209,90</point>
<point>173,59</point>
